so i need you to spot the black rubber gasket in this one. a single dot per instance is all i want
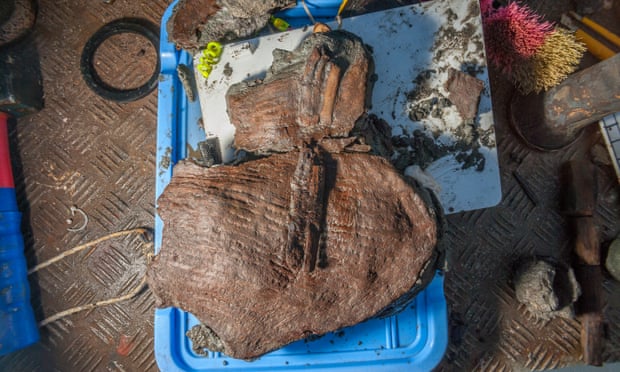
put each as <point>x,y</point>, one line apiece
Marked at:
<point>138,26</point>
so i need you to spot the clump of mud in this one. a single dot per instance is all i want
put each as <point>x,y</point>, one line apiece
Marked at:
<point>422,150</point>
<point>422,147</point>
<point>203,338</point>
<point>545,288</point>
<point>444,102</point>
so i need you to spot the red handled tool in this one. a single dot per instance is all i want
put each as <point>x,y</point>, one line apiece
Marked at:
<point>6,174</point>
<point>20,94</point>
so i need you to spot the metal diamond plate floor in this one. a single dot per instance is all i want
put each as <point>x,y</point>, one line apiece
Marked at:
<point>86,152</point>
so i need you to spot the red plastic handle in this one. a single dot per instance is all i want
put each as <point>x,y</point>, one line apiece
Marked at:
<point>6,174</point>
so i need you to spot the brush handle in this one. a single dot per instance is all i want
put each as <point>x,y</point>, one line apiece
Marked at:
<point>615,39</point>
<point>598,49</point>
<point>8,202</point>
<point>6,175</point>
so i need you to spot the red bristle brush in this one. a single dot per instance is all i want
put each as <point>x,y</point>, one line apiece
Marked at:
<point>534,53</point>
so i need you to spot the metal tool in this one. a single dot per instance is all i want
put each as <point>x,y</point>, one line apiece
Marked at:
<point>554,119</point>
<point>610,128</point>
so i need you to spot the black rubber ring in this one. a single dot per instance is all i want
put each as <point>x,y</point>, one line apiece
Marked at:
<point>138,26</point>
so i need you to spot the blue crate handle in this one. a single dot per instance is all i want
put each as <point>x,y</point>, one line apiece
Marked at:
<point>321,10</point>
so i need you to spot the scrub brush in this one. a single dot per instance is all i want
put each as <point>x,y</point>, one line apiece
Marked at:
<point>535,54</point>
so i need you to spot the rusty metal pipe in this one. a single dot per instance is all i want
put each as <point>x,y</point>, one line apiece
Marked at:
<point>554,119</point>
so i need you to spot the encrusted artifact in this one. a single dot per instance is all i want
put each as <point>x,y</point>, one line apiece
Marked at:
<point>312,238</point>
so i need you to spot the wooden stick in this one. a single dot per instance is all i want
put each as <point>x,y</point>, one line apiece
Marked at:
<point>590,307</point>
<point>329,93</point>
<point>580,206</point>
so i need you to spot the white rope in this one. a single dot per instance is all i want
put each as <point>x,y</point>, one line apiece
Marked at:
<point>80,248</point>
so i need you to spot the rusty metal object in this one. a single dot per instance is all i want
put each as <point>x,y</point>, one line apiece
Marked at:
<point>21,89</point>
<point>554,119</point>
<point>22,15</point>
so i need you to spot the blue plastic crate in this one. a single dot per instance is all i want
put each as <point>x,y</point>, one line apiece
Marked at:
<point>321,10</point>
<point>413,340</point>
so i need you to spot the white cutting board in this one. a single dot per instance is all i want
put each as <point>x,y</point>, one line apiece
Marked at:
<point>405,42</point>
